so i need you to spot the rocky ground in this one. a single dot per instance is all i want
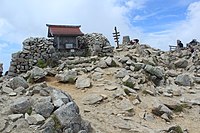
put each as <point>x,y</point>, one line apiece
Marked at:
<point>137,90</point>
<point>110,114</point>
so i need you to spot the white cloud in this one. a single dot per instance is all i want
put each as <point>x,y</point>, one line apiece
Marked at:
<point>23,18</point>
<point>3,45</point>
<point>185,30</point>
<point>5,26</point>
<point>3,55</point>
<point>28,18</point>
<point>135,4</point>
<point>190,28</point>
<point>143,17</point>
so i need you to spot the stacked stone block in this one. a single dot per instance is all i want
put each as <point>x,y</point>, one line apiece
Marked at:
<point>34,49</point>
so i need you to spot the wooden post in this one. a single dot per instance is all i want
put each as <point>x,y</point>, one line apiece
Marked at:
<point>116,36</point>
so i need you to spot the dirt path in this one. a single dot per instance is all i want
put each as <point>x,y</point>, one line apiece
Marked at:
<point>99,114</point>
<point>107,118</point>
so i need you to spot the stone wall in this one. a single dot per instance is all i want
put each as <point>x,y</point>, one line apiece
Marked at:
<point>42,50</point>
<point>68,53</point>
<point>34,49</point>
<point>97,44</point>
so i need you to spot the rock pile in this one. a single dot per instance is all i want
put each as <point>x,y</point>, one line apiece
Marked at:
<point>139,78</point>
<point>41,52</point>
<point>138,89</point>
<point>38,108</point>
<point>97,44</point>
<point>34,50</point>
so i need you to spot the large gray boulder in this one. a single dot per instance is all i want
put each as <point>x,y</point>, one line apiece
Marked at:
<point>125,105</point>
<point>37,74</point>
<point>196,79</point>
<point>184,80</point>
<point>172,104</point>
<point>20,105</point>
<point>44,108</point>
<point>34,119</point>
<point>67,76</point>
<point>66,119</point>
<point>14,117</point>
<point>159,109</point>
<point>18,82</point>
<point>92,99</point>
<point>138,66</point>
<point>83,82</point>
<point>6,90</point>
<point>59,98</point>
<point>156,71</point>
<point>172,73</point>
<point>102,64</point>
<point>124,59</point>
<point>181,63</point>
<point>51,71</point>
<point>68,114</point>
<point>97,75</point>
<point>110,62</point>
<point>122,73</point>
<point>48,126</point>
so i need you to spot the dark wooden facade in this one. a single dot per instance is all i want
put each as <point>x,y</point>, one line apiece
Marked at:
<point>65,36</point>
<point>65,43</point>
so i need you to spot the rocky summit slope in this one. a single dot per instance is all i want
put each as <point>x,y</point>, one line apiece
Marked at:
<point>137,90</point>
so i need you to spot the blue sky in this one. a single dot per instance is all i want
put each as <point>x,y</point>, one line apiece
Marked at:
<point>158,15</point>
<point>158,23</point>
